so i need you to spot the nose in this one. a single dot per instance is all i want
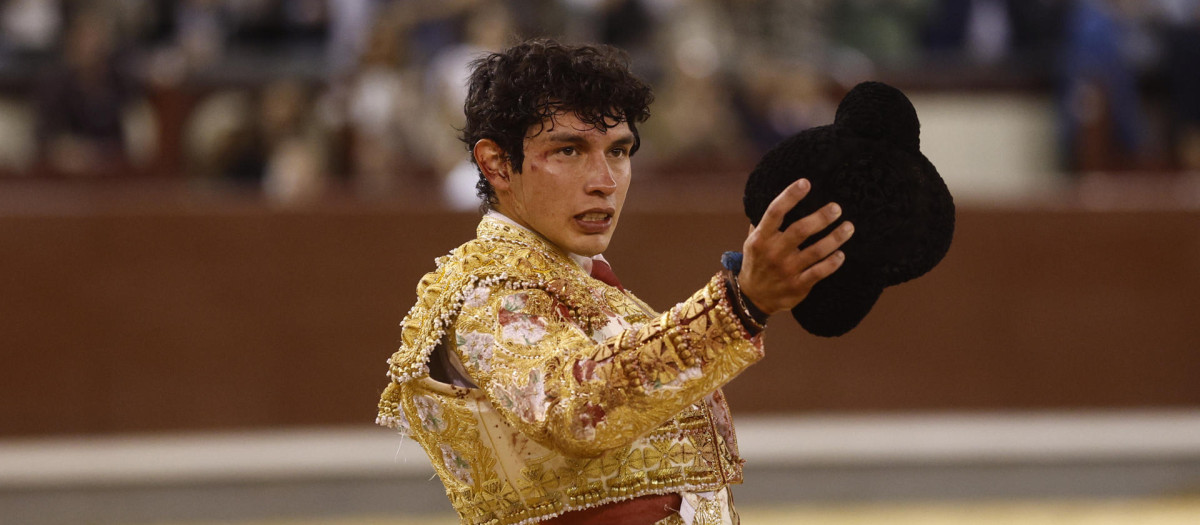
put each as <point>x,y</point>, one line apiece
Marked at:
<point>600,177</point>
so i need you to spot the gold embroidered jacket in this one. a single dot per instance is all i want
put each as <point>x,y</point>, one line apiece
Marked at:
<point>585,395</point>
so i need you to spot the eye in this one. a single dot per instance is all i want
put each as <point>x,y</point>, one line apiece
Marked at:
<point>568,151</point>
<point>619,152</point>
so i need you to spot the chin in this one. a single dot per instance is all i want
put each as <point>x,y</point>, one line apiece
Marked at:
<point>588,251</point>
<point>590,247</point>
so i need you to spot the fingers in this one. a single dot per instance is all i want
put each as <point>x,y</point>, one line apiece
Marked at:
<point>825,249</point>
<point>822,248</point>
<point>797,232</point>
<point>786,200</point>
<point>821,270</point>
<point>816,221</point>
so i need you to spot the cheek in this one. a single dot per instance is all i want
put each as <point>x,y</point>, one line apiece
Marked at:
<point>532,176</point>
<point>539,192</point>
<point>623,180</point>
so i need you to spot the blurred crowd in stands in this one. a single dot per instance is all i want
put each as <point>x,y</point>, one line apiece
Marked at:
<point>301,97</point>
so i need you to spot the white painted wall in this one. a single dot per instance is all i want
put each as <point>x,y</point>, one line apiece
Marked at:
<point>991,148</point>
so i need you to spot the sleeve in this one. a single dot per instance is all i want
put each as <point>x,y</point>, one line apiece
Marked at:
<point>555,384</point>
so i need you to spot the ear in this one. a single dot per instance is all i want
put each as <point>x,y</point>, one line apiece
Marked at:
<point>493,163</point>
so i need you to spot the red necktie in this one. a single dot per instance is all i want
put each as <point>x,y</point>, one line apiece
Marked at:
<point>602,272</point>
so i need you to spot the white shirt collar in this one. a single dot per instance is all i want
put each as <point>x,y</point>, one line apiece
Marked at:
<point>583,261</point>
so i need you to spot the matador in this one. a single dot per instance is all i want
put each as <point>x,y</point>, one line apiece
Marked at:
<point>542,390</point>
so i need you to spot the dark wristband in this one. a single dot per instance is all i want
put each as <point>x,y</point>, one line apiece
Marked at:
<point>753,319</point>
<point>759,316</point>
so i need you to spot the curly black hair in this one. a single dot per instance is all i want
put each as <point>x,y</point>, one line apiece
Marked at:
<point>522,86</point>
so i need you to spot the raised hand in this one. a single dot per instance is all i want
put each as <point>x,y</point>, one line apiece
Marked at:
<point>775,274</point>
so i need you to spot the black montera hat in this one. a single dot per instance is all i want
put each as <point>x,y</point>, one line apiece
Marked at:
<point>868,161</point>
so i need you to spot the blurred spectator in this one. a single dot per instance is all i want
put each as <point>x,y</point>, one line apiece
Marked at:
<point>1022,34</point>
<point>886,31</point>
<point>1183,78</point>
<point>787,30</point>
<point>295,172</point>
<point>221,139</point>
<point>541,17</point>
<point>979,29</point>
<point>780,55</point>
<point>350,24</point>
<point>383,113</point>
<point>201,31</point>
<point>266,139</point>
<point>486,29</point>
<point>433,26</point>
<point>775,101</point>
<point>695,68</point>
<point>631,26</point>
<point>1101,119</point>
<point>81,102</point>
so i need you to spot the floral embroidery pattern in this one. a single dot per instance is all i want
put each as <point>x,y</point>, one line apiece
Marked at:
<point>457,465</point>
<point>430,412</point>
<point>517,326</point>
<point>590,415</point>
<point>477,297</point>
<point>515,302</point>
<point>528,402</point>
<point>477,349</point>
<point>584,370</point>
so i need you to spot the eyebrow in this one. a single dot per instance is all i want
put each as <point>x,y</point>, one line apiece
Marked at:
<point>578,138</point>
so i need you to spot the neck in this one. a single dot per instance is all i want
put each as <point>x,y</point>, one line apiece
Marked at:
<point>583,261</point>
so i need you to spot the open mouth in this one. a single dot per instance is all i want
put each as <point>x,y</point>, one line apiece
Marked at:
<point>594,221</point>
<point>594,216</point>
